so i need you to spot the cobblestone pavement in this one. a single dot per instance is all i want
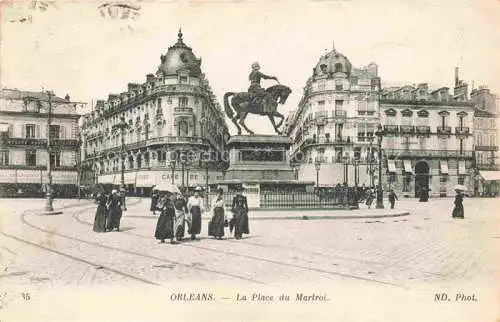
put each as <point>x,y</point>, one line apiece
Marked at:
<point>427,247</point>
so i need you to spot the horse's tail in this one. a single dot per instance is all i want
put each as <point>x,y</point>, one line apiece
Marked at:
<point>227,107</point>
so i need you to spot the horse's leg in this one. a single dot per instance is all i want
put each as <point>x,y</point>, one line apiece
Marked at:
<point>270,116</point>
<point>236,116</point>
<point>282,118</point>
<point>242,122</point>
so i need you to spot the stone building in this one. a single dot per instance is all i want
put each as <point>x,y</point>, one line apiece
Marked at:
<point>24,153</point>
<point>487,174</point>
<point>335,122</point>
<point>173,125</point>
<point>427,138</point>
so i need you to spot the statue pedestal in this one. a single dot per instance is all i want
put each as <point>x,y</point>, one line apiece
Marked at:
<point>259,157</point>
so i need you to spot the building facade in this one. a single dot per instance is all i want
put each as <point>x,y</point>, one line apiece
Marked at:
<point>172,125</point>
<point>427,139</point>
<point>487,174</point>
<point>333,128</point>
<point>24,152</point>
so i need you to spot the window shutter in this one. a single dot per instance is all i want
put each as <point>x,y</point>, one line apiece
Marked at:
<point>10,130</point>
<point>23,130</point>
<point>37,129</point>
<point>62,132</point>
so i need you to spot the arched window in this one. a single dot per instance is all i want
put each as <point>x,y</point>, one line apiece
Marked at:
<point>183,128</point>
<point>338,67</point>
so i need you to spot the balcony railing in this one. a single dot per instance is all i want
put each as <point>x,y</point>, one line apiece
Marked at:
<point>43,142</point>
<point>423,129</point>
<point>340,113</point>
<point>407,129</point>
<point>391,128</point>
<point>428,153</point>
<point>485,148</point>
<point>462,130</point>
<point>444,129</point>
<point>183,110</point>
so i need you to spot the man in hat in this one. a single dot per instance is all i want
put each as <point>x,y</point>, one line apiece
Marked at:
<point>115,211</point>
<point>195,208</point>
<point>255,77</point>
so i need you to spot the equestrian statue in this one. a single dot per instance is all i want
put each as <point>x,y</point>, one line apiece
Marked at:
<point>256,101</point>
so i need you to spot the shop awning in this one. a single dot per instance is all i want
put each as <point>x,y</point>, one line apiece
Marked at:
<point>461,167</point>
<point>490,175</point>
<point>407,165</point>
<point>391,165</point>
<point>443,167</point>
<point>128,177</point>
<point>145,180</point>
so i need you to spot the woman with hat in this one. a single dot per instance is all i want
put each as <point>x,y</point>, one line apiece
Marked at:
<point>180,215</point>
<point>239,208</point>
<point>219,216</point>
<point>458,210</point>
<point>154,200</point>
<point>101,214</point>
<point>114,206</point>
<point>165,225</point>
<point>195,208</point>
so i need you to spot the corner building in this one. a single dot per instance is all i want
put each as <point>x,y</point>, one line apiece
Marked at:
<point>335,123</point>
<point>175,129</point>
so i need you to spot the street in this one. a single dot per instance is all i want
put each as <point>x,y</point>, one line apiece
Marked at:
<point>425,248</point>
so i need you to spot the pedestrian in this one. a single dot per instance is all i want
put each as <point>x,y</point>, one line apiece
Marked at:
<point>458,210</point>
<point>392,198</point>
<point>218,221</point>
<point>370,195</point>
<point>195,208</point>
<point>180,215</point>
<point>239,209</point>
<point>114,211</point>
<point>165,224</point>
<point>100,214</point>
<point>154,200</point>
<point>424,194</point>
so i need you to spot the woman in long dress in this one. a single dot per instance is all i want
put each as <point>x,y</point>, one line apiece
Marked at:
<point>180,216</point>
<point>114,211</point>
<point>458,210</point>
<point>165,225</point>
<point>195,208</point>
<point>100,214</point>
<point>219,216</point>
<point>239,208</point>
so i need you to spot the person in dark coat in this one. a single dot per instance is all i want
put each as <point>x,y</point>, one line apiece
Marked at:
<point>154,201</point>
<point>424,194</point>
<point>458,210</point>
<point>239,208</point>
<point>216,225</point>
<point>114,211</point>
<point>100,214</point>
<point>392,198</point>
<point>165,224</point>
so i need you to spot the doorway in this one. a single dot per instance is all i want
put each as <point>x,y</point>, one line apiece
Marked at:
<point>421,177</point>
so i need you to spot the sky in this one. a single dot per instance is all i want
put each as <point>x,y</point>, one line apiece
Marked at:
<point>71,48</point>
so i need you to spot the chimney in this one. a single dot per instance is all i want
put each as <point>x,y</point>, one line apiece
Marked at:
<point>456,76</point>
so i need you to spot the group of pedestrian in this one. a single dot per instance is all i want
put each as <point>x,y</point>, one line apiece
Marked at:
<point>176,212</point>
<point>109,212</point>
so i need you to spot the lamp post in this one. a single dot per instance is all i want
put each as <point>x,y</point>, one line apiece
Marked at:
<point>49,196</point>
<point>183,165</point>
<point>205,162</point>
<point>317,165</point>
<point>346,168</point>
<point>356,171</point>
<point>380,201</point>
<point>172,166</point>
<point>121,126</point>
<point>370,160</point>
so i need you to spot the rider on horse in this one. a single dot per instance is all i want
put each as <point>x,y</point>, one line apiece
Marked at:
<point>257,92</point>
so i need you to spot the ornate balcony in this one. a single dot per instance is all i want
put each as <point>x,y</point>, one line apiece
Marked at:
<point>444,130</point>
<point>486,148</point>
<point>183,111</point>
<point>423,129</point>
<point>391,128</point>
<point>443,154</point>
<point>340,114</point>
<point>407,129</point>
<point>42,142</point>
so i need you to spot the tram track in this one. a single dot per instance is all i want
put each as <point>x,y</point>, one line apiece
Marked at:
<point>115,249</point>
<point>76,216</point>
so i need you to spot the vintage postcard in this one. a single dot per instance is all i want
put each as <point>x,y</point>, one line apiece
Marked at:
<point>213,160</point>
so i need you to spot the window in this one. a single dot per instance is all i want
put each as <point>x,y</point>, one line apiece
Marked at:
<point>338,85</point>
<point>492,140</point>
<point>55,159</point>
<point>321,103</point>
<point>443,144</point>
<point>4,157</point>
<point>55,131</point>
<point>30,130</point>
<point>321,130</point>
<point>357,153</point>
<point>461,180</point>
<point>406,120</point>
<point>338,105</point>
<point>183,79</point>
<point>406,143</point>
<point>183,128</point>
<point>338,67</point>
<point>31,158</point>
<point>183,101</point>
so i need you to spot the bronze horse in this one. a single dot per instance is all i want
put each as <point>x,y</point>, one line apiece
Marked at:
<point>243,103</point>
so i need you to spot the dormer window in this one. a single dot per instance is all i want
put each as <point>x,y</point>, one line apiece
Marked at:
<point>183,79</point>
<point>390,112</point>
<point>183,101</point>
<point>339,68</point>
<point>323,68</point>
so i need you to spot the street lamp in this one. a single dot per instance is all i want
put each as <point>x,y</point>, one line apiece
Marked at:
<point>317,166</point>
<point>121,126</point>
<point>346,168</point>
<point>205,161</point>
<point>183,165</point>
<point>172,166</point>
<point>49,196</point>
<point>380,201</point>
<point>355,162</point>
<point>370,160</point>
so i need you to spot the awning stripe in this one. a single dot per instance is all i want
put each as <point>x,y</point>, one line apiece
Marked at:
<point>407,166</point>
<point>391,164</point>
<point>444,167</point>
<point>490,175</point>
<point>461,167</point>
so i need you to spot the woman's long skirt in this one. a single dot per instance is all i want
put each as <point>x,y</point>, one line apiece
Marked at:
<point>195,227</point>
<point>241,223</point>
<point>100,220</point>
<point>114,218</point>
<point>218,222</point>
<point>458,212</point>
<point>179,227</point>
<point>165,227</point>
